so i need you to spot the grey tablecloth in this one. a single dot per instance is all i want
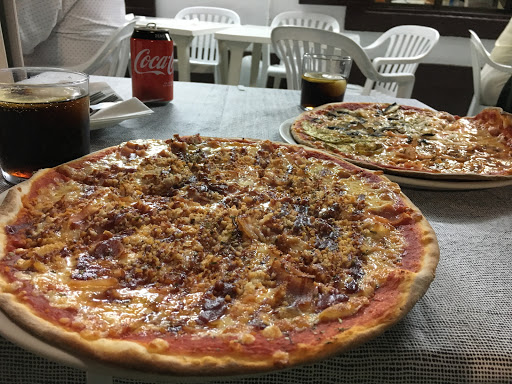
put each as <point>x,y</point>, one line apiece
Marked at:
<point>459,332</point>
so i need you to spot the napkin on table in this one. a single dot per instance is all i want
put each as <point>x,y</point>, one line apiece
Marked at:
<point>118,111</point>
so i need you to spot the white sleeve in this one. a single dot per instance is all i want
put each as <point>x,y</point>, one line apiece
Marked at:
<point>502,51</point>
<point>36,21</point>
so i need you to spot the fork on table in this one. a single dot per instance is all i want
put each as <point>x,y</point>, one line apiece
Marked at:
<point>100,97</point>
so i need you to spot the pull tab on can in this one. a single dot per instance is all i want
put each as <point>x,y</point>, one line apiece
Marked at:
<point>152,65</point>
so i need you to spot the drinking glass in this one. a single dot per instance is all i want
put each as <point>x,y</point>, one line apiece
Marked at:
<point>324,79</point>
<point>45,119</point>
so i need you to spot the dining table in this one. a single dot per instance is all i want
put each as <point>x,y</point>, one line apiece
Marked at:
<point>182,33</point>
<point>237,39</point>
<point>460,331</point>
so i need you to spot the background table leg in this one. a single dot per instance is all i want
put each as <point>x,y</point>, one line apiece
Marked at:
<point>235,61</point>
<point>182,45</point>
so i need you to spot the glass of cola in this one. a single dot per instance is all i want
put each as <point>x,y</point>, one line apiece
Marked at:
<point>45,119</point>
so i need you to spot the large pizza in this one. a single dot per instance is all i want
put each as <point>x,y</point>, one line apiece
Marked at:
<point>210,256</point>
<point>412,141</point>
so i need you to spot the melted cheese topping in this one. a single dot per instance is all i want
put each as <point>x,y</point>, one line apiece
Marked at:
<point>395,137</point>
<point>211,238</point>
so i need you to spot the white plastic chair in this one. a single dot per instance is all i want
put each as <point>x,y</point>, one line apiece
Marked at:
<point>114,54</point>
<point>204,50</point>
<point>400,50</point>
<point>306,19</point>
<point>479,57</point>
<point>290,43</point>
<point>300,19</point>
<point>295,18</point>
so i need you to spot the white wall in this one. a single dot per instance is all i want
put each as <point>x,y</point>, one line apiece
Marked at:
<point>450,50</point>
<point>250,11</point>
<point>278,6</point>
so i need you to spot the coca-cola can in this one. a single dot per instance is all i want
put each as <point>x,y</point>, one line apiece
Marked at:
<point>152,59</point>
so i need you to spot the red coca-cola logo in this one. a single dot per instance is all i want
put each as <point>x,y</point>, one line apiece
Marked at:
<point>159,65</point>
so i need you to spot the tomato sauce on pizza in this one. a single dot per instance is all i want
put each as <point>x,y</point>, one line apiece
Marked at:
<point>225,255</point>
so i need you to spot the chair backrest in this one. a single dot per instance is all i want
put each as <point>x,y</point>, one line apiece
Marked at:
<point>306,19</point>
<point>405,47</point>
<point>113,55</point>
<point>290,44</point>
<point>204,48</point>
<point>480,57</point>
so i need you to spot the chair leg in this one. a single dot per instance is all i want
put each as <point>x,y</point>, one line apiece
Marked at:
<point>216,74</point>
<point>277,82</point>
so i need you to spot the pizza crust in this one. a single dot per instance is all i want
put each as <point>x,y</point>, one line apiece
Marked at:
<point>238,354</point>
<point>12,202</point>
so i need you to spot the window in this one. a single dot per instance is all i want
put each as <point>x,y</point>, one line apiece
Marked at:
<point>450,17</point>
<point>438,4</point>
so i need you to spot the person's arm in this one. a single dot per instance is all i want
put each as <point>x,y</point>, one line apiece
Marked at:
<point>36,21</point>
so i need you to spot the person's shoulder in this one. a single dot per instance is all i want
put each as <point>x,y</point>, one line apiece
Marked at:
<point>505,38</point>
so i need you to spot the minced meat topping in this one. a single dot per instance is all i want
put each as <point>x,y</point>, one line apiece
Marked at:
<point>209,237</point>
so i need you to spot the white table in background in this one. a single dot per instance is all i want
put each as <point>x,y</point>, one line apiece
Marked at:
<point>237,39</point>
<point>182,33</point>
